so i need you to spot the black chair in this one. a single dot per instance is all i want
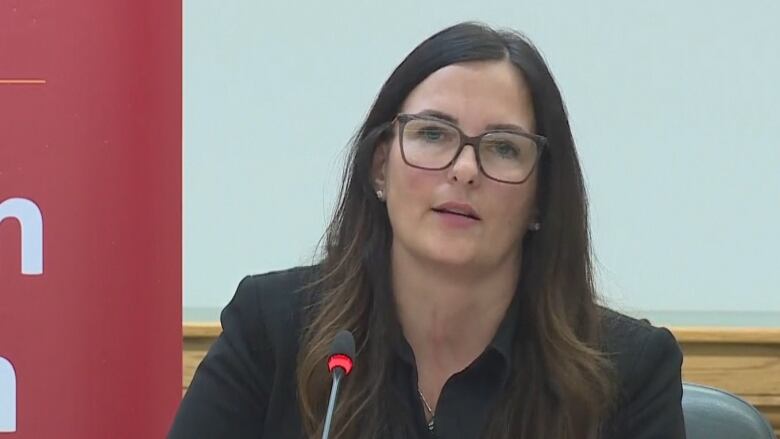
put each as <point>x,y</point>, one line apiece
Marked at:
<point>715,414</point>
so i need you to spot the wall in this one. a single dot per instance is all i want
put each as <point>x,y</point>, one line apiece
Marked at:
<point>674,106</point>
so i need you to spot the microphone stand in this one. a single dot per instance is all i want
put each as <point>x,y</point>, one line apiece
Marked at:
<point>338,373</point>
<point>342,351</point>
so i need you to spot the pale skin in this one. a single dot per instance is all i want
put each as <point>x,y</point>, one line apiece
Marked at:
<point>452,286</point>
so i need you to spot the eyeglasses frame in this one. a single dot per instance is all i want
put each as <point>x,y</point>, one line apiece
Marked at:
<point>404,118</point>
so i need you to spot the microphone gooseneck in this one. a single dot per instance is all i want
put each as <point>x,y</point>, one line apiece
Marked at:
<point>340,361</point>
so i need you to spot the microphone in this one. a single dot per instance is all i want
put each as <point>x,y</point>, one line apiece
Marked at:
<point>342,351</point>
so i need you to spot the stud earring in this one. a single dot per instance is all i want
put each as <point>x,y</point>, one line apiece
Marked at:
<point>380,194</point>
<point>535,226</point>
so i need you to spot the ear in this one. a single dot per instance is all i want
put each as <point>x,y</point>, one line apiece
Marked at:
<point>379,166</point>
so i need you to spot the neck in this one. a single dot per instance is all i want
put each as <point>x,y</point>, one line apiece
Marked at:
<point>450,314</point>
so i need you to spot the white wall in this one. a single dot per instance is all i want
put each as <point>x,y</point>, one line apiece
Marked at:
<point>675,107</point>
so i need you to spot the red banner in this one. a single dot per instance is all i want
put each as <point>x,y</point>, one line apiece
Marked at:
<point>90,218</point>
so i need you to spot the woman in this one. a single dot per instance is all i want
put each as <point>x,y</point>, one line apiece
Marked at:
<point>459,258</point>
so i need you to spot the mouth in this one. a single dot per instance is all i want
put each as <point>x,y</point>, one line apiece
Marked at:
<point>457,212</point>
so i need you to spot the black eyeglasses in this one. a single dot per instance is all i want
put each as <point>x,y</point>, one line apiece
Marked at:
<point>433,144</point>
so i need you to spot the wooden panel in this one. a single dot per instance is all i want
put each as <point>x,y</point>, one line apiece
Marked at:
<point>194,350</point>
<point>744,369</point>
<point>201,330</point>
<point>727,335</point>
<point>769,406</point>
<point>744,361</point>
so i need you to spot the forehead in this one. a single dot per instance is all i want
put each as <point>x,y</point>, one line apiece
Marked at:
<point>477,94</point>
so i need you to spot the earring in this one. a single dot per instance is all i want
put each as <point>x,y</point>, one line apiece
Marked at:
<point>380,194</point>
<point>535,226</point>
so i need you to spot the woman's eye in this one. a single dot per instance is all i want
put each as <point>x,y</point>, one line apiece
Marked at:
<point>431,134</point>
<point>506,150</point>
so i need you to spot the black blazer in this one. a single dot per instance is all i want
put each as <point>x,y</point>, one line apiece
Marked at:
<point>245,386</point>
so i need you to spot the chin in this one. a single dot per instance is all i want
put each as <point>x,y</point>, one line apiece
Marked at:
<point>450,253</point>
<point>431,248</point>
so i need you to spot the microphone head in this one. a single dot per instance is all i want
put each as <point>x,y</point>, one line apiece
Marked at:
<point>342,352</point>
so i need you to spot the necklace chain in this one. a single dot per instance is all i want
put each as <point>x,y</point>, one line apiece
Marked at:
<point>428,409</point>
<point>425,403</point>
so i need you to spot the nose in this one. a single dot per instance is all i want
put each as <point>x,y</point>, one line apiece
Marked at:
<point>465,169</point>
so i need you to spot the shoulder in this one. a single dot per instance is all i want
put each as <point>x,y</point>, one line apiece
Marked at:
<point>249,369</point>
<point>273,298</point>
<point>647,361</point>
<point>275,291</point>
<point>265,310</point>
<point>629,342</point>
<point>278,284</point>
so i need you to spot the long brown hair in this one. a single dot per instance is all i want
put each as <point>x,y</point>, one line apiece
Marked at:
<point>560,385</point>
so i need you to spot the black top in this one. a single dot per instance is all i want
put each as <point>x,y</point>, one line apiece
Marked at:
<point>245,386</point>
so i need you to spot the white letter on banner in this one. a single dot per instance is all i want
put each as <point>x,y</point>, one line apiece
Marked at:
<point>7,397</point>
<point>31,221</point>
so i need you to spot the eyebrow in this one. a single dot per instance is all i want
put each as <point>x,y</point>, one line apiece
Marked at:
<point>453,120</point>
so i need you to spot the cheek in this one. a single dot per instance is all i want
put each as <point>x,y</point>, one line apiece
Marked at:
<point>409,188</point>
<point>515,206</point>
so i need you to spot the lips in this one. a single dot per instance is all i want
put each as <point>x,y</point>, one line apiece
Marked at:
<point>454,208</point>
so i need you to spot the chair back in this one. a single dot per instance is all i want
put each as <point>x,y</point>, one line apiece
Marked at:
<point>712,413</point>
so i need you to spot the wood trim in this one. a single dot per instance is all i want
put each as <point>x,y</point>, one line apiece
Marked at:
<point>684,334</point>
<point>201,330</point>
